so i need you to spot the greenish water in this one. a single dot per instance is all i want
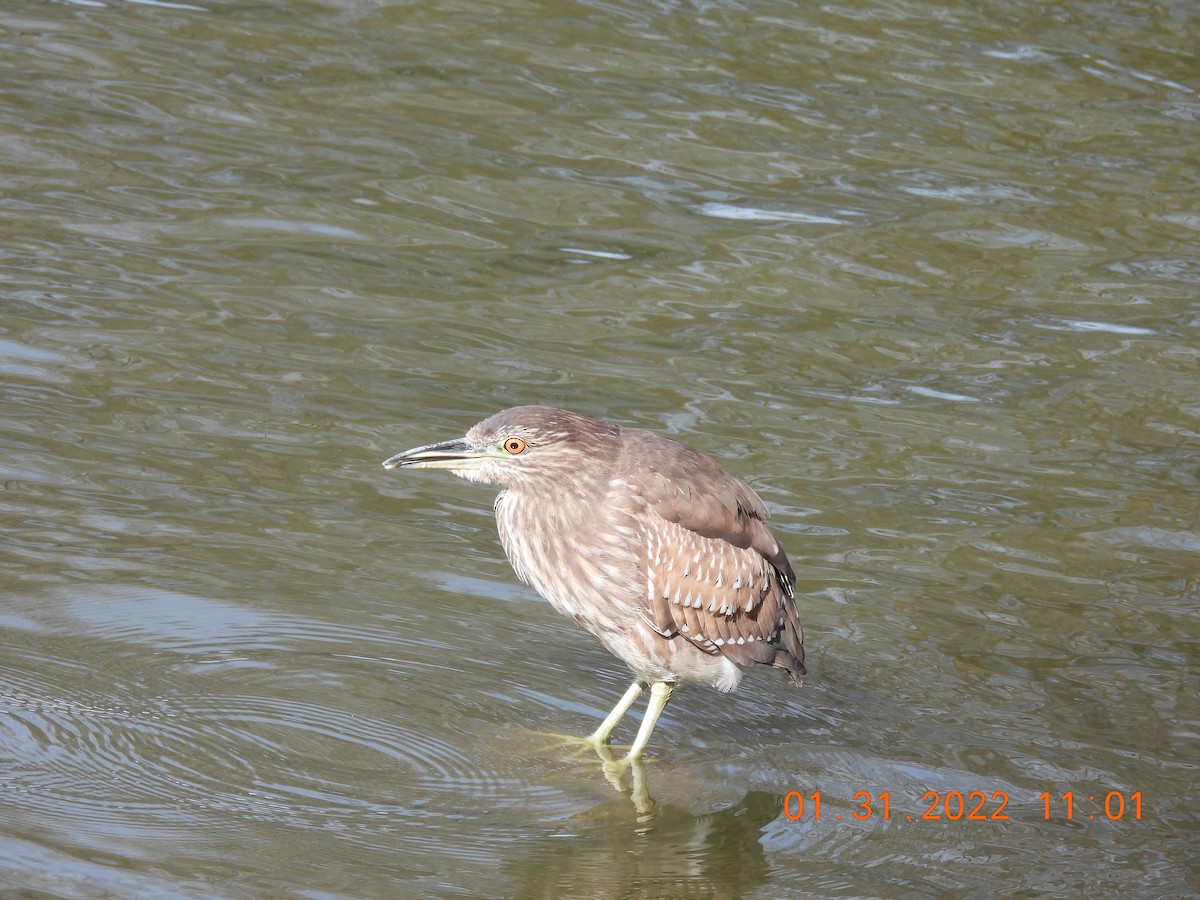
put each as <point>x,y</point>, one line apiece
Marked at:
<point>925,275</point>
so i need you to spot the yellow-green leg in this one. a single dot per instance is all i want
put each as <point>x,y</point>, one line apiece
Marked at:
<point>660,693</point>
<point>602,734</point>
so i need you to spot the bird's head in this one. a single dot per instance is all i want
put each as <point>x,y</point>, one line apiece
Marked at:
<point>522,446</point>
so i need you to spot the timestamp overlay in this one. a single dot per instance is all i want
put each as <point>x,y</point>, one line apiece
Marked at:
<point>969,806</point>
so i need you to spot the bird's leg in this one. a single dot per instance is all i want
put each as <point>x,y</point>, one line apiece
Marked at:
<point>660,693</point>
<point>601,735</point>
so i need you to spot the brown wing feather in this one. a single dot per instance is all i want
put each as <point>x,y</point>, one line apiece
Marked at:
<point>714,573</point>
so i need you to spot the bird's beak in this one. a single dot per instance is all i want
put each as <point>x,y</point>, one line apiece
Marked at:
<point>455,454</point>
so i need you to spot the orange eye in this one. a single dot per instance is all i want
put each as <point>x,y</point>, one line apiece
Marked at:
<point>514,445</point>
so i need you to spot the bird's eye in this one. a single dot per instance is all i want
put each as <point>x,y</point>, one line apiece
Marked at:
<point>514,445</point>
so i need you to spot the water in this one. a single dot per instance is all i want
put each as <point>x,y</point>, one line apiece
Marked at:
<point>925,275</point>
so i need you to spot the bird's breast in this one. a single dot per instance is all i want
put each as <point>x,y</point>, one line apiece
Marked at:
<point>574,553</point>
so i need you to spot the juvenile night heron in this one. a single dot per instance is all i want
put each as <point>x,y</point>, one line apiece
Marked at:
<point>648,544</point>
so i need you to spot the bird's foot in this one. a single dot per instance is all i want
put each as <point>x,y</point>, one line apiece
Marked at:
<point>573,743</point>
<point>616,764</point>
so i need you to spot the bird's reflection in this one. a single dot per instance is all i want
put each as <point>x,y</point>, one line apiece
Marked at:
<point>670,852</point>
<point>620,770</point>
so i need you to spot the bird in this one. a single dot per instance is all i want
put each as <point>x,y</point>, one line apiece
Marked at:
<point>647,543</point>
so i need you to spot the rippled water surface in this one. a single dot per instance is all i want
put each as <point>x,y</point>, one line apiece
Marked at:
<point>925,274</point>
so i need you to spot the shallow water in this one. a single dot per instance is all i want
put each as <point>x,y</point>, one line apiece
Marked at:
<point>925,275</point>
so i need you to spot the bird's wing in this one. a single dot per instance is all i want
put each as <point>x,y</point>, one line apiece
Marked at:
<point>722,598</point>
<point>713,571</point>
